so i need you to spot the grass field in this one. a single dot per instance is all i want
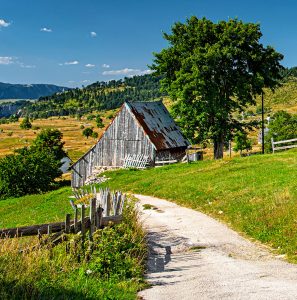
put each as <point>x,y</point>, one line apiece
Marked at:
<point>35,209</point>
<point>75,144</point>
<point>255,195</point>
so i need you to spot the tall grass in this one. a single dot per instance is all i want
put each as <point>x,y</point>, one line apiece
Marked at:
<point>114,270</point>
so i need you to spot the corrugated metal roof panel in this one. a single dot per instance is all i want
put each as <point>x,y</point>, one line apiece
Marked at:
<point>158,124</point>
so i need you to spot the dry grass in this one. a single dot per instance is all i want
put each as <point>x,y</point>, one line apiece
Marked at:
<point>75,143</point>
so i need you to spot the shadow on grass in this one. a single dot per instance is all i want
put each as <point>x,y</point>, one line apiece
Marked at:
<point>15,291</point>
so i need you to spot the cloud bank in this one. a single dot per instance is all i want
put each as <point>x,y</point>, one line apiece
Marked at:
<point>67,63</point>
<point>3,23</point>
<point>45,29</point>
<point>127,72</point>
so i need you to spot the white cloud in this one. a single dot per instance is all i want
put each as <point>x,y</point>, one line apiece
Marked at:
<point>22,65</point>
<point>93,34</point>
<point>6,60</point>
<point>105,66</point>
<point>85,81</point>
<point>9,60</point>
<point>67,63</point>
<point>127,71</point>
<point>3,23</point>
<point>45,29</point>
<point>89,66</point>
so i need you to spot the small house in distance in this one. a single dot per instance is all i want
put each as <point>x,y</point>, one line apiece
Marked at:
<point>139,128</point>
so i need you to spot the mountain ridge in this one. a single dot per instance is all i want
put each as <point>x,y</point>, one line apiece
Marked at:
<point>28,91</point>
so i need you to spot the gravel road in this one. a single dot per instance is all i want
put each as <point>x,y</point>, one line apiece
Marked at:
<point>193,256</point>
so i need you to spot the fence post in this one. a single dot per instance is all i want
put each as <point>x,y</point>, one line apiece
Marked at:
<point>108,204</point>
<point>83,227</point>
<point>49,230</point>
<point>272,144</point>
<point>67,223</point>
<point>75,219</point>
<point>92,216</point>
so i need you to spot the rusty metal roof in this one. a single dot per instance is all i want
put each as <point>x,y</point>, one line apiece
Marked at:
<point>158,124</point>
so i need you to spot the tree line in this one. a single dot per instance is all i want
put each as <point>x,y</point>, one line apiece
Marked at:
<point>96,97</point>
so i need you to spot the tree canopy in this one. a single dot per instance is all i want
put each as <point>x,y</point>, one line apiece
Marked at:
<point>50,140</point>
<point>32,169</point>
<point>213,70</point>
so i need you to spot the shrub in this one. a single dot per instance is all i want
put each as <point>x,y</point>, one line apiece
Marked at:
<point>25,124</point>
<point>27,172</point>
<point>95,135</point>
<point>99,122</point>
<point>90,117</point>
<point>283,126</point>
<point>87,132</point>
<point>242,142</point>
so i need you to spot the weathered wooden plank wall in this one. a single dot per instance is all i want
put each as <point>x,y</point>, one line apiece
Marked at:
<point>124,136</point>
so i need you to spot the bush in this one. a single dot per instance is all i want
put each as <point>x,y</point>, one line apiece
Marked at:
<point>27,172</point>
<point>95,135</point>
<point>90,117</point>
<point>283,126</point>
<point>99,122</point>
<point>25,124</point>
<point>242,142</point>
<point>87,132</point>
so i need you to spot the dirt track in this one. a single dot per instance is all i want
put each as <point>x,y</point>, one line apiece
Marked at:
<point>192,256</point>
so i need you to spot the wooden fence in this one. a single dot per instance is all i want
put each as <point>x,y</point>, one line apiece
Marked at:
<point>104,207</point>
<point>138,161</point>
<point>273,143</point>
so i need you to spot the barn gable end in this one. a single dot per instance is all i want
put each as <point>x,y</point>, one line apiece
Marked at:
<point>139,128</point>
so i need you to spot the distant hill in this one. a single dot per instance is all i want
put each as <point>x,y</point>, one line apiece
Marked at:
<point>28,91</point>
<point>96,97</point>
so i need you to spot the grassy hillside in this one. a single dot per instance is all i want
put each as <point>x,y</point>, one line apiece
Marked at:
<point>285,97</point>
<point>35,209</point>
<point>255,195</point>
<point>96,97</point>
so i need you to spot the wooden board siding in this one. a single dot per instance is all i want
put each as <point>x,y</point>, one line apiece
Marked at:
<point>172,154</point>
<point>124,136</point>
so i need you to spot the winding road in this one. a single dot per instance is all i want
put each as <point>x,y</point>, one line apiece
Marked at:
<point>193,256</point>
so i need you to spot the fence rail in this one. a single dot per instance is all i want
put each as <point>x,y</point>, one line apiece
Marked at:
<point>273,143</point>
<point>104,207</point>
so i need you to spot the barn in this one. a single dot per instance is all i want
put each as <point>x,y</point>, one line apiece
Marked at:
<point>138,128</point>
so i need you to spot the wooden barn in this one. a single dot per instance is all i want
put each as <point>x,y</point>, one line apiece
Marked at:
<point>139,128</point>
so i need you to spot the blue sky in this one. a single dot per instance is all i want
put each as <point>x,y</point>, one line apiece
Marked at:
<point>74,43</point>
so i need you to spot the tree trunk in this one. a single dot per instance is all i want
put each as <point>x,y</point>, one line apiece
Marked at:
<point>218,147</point>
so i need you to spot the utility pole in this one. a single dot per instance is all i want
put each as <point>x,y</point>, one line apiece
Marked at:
<point>263,122</point>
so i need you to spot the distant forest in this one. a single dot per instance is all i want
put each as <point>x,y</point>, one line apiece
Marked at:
<point>96,97</point>
<point>102,95</point>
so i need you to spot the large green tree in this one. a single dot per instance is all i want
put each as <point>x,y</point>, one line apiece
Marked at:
<point>212,71</point>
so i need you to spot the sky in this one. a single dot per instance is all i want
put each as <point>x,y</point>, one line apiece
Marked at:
<point>74,42</point>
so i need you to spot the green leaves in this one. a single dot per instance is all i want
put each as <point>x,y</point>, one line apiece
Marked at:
<point>27,172</point>
<point>212,70</point>
<point>32,170</point>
